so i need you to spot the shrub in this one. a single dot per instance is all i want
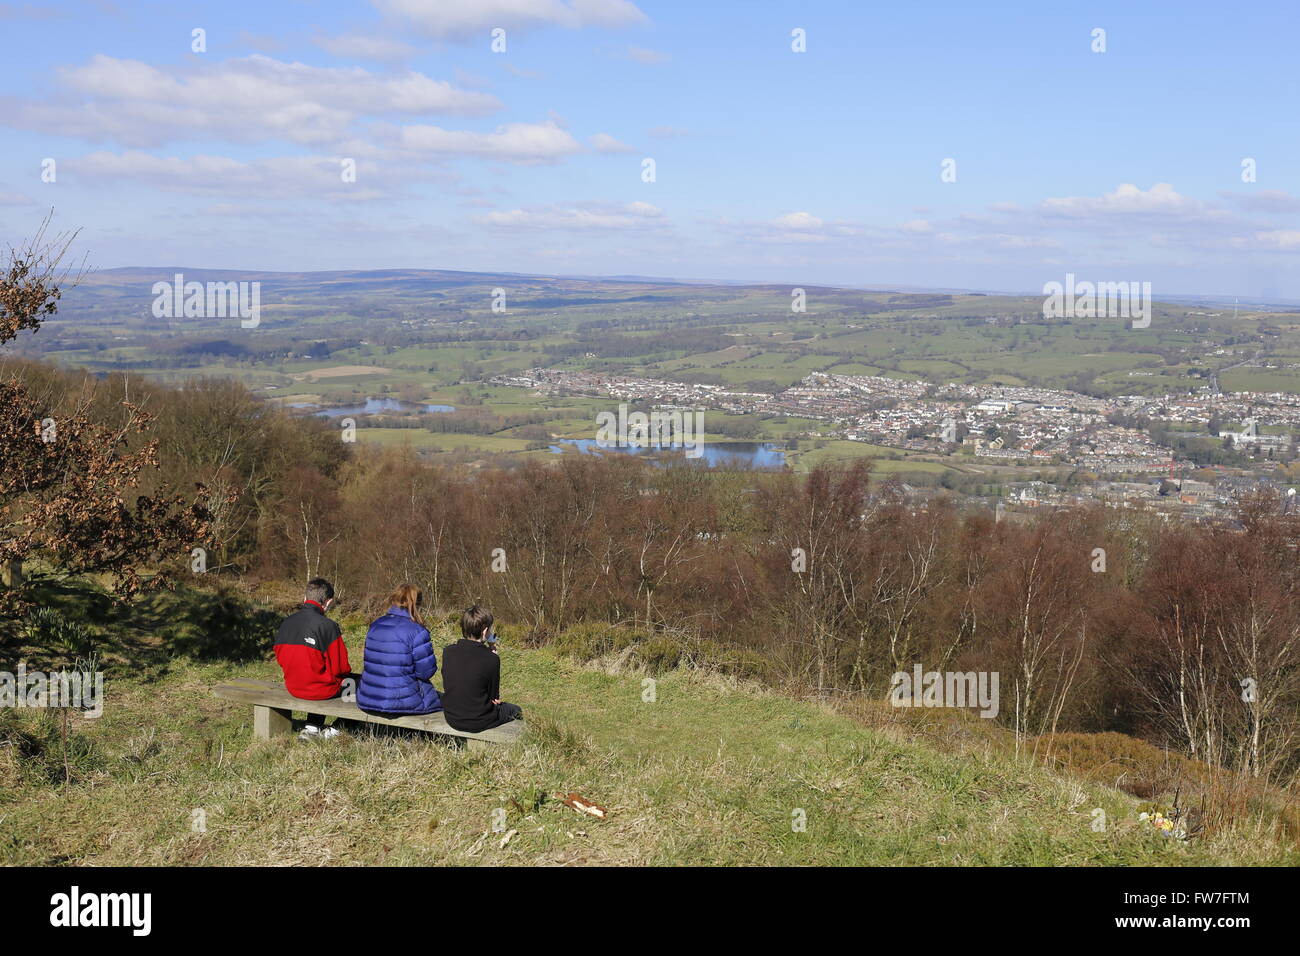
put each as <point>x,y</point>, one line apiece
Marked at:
<point>35,750</point>
<point>1200,797</point>
<point>659,654</point>
<point>735,662</point>
<point>47,628</point>
<point>1132,765</point>
<point>588,641</point>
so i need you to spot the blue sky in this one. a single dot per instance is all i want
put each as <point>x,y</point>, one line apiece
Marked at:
<point>815,167</point>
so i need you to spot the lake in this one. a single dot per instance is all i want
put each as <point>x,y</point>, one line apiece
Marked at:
<point>376,406</point>
<point>732,454</point>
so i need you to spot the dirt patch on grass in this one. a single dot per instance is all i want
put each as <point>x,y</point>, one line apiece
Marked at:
<point>341,371</point>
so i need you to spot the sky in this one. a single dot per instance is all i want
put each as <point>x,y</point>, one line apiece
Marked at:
<point>959,145</point>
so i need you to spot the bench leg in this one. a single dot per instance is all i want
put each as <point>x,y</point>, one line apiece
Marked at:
<point>271,722</point>
<point>473,743</point>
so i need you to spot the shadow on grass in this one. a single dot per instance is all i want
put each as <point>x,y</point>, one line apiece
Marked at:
<point>147,633</point>
<point>207,626</point>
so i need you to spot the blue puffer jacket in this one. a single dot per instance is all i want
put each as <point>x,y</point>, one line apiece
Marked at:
<point>399,663</point>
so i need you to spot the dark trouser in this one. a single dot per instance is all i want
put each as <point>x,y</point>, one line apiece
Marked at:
<point>505,714</point>
<point>318,720</point>
<point>502,714</point>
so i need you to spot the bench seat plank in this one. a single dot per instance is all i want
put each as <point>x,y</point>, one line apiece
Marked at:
<point>268,694</point>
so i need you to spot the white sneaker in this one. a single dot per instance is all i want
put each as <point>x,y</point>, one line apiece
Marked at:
<point>312,732</point>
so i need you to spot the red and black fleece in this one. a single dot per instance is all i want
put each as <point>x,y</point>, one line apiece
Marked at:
<point>311,652</point>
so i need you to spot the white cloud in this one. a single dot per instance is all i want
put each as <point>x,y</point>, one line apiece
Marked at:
<point>579,217</point>
<point>522,73</point>
<point>525,143</point>
<point>263,43</point>
<point>798,220</point>
<point>1283,240</point>
<point>647,57</point>
<point>797,227</point>
<point>604,143</point>
<point>1129,200</point>
<point>248,99</point>
<point>998,240</point>
<point>278,177</point>
<point>1266,201</point>
<point>361,47</point>
<point>459,19</point>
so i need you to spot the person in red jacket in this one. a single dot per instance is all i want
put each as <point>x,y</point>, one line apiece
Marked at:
<point>311,652</point>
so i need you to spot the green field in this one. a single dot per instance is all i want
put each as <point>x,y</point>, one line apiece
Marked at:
<point>439,441</point>
<point>882,458</point>
<point>1262,380</point>
<point>712,771</point>
<point>430,337</point>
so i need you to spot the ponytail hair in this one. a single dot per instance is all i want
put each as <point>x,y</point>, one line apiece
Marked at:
<point>409,598</point>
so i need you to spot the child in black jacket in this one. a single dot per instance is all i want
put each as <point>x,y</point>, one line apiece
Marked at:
<point>471,677</point>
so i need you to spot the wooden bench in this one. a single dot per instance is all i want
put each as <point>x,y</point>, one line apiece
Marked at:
<point>272,705</point>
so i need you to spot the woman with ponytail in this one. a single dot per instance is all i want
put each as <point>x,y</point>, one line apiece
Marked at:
<point>399,660</point>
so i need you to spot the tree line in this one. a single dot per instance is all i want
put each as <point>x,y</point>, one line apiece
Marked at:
<point>1095,619</point>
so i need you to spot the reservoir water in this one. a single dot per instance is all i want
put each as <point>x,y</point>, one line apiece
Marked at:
<point>376,406</point>
<point>732,454</point>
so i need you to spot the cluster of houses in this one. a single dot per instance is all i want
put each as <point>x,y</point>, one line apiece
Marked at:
<point>557,381</point>
<point>1253,410</point>
<point>1016,424</point>
<point>1185,498</point>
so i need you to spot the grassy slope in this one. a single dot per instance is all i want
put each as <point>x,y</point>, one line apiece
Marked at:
<point>710,773</point>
